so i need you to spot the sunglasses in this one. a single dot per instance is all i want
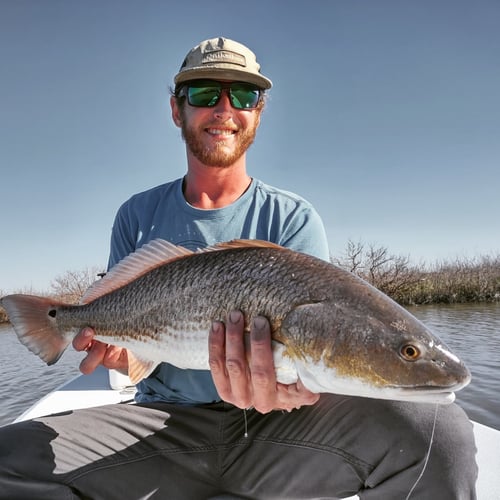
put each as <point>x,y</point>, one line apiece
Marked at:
<point>207,93</point>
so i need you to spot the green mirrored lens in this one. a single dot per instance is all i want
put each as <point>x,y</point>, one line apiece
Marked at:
<point>204,96</point>
<point>243,97</point>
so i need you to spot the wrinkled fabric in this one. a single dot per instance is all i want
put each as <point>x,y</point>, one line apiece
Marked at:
<point>336,448</point>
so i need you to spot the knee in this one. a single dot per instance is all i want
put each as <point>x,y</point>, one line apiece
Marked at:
<point>431,447</point>
<point>452,455</point>
<point>24,439</point>
<point>439,450</point>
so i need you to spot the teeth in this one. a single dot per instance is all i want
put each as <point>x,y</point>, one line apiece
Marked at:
<point>216,131</point>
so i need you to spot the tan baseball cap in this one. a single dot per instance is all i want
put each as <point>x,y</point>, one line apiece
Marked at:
<point>222,59</point>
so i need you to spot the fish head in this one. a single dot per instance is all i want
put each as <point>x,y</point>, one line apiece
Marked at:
<point>373,348</point>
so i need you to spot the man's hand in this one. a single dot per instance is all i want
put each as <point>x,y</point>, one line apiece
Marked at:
<point>251,382</point>
<point>98,353</point>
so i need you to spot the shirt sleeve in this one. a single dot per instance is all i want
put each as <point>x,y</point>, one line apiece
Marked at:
<point>123,235</point>
<point>305,233</point>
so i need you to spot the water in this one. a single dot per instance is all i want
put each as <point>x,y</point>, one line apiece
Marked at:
<point>24,377</point>
<point>471,331</point>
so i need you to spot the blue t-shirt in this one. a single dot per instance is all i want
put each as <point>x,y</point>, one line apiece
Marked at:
<point>262,212</point>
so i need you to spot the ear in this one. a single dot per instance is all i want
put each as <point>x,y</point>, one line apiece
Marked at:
<point>176,112</point>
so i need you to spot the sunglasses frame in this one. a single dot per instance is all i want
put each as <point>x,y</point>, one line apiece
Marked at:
<point>220,86</point>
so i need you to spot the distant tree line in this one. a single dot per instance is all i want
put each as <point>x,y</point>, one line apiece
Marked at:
<point>446,282</point>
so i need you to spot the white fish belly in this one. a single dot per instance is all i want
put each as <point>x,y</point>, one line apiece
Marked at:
<point>189,350</point>
<point>177,347</point>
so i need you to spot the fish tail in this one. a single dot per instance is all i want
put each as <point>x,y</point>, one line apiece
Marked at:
<point>35,322</point>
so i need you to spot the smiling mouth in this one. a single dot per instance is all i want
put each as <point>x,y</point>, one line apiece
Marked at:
<point>219,131</point>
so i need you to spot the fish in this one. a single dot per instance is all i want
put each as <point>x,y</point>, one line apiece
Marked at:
<point>330,328</point>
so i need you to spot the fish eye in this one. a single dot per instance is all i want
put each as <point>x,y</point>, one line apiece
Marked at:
<point>409,352</point>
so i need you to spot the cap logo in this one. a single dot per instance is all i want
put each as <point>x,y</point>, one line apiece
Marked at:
<point>224,56</point>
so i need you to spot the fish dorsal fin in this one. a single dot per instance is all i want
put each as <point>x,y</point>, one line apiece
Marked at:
<point>150,256</point>
<point>240,244</point>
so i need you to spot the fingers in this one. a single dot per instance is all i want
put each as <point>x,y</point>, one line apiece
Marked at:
<point>239,381</point>
<point>95,355</point>
<point>99,353</point>
<point>244,375</point>
<point>263,375</point>
<point>227,360</point>
<point>217,359</point>
<point>236,360</point>
<point>83,339</point>
<point>294,396</point>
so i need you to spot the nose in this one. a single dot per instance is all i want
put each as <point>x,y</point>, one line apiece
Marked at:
<point>223,108</point>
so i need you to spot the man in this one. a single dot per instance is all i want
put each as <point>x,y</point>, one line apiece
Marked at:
<point>188,438</point>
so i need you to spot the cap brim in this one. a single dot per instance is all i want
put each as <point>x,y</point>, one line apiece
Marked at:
<point>222,74</point>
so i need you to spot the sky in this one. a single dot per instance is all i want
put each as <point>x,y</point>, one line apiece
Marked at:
<point>385,114</point>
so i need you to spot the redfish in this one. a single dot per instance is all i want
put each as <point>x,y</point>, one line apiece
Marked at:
<point>330,329</point>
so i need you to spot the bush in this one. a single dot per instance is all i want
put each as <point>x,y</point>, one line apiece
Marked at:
<point>391,274</point>
<point>469,280</point>
<point>70,286</point>
<point>3,314</point>
<point>458,281</point>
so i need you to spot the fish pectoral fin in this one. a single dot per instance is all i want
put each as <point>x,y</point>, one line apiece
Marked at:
<point>284,365</point>
<point>139,368</point>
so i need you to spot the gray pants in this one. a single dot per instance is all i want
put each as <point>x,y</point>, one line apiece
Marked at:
<point>336,448</point>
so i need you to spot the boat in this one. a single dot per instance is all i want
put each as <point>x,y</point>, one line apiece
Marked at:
<point>105,386</point>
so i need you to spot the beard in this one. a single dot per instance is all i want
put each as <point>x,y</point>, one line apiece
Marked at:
<point>217,156</point>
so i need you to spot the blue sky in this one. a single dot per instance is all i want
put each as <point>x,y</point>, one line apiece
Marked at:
<point>385,114</point>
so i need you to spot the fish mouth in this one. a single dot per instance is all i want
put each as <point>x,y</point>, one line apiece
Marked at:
<point>429,394</point>
<point>434,395</point>
<point>457,386</point>
<point>441,398</point>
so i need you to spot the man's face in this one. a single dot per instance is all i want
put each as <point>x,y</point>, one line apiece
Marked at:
<point>217,136</point>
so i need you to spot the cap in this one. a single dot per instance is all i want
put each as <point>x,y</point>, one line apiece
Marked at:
<point>222,59</point>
